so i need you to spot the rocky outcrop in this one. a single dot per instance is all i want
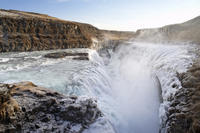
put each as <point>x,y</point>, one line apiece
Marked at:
<point>184,32</point>
<point>75,56</point>
<point>8,106</point>
<point>184,111</point>
<point>81,58</point>
<point>25,107</point>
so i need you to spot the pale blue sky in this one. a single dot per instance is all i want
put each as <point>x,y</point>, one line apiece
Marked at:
<point>113,14</point>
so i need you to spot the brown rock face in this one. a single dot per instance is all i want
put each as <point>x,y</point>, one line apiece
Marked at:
<point>23,31</point>
<point>184,111</point>
<point>25,107</point>
<point>8,106</point>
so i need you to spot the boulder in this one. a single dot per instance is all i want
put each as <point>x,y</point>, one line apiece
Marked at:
<point>81,58</point>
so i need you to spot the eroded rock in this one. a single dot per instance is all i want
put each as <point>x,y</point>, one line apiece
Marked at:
<point>8,106</point>
<point>76,56</point>
<point>81,58</point>
<point>37,109</point>
<point>184,112</point>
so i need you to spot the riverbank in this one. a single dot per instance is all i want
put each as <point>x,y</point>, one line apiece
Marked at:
<point>184,111</point>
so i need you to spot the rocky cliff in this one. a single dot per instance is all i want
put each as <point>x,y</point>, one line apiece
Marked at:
<point>185,32</point>
<point>26,31</point>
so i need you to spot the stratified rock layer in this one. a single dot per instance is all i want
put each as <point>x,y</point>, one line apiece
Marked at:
<point>26,31</point>
<point>25,107</point>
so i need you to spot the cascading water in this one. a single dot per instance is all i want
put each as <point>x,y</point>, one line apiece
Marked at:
<point>127,87</point>
<point>141,71</point>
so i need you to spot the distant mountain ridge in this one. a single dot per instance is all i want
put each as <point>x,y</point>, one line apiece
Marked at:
<point>188,31</point>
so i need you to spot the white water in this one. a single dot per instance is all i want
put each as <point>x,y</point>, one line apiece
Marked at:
<point>127,88</point>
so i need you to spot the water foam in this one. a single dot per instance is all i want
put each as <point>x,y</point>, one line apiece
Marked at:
<point>126,86</point>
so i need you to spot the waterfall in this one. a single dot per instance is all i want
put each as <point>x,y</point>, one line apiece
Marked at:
<point>132,85</point>
<point>142,78</point>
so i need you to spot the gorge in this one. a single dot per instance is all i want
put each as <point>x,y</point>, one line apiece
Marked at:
<point>132,82</point>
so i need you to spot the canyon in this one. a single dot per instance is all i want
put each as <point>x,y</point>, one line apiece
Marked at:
<point>98,80</point>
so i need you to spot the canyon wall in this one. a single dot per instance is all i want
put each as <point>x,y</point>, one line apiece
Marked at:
<point>21,31</point>
<point>25,31</point>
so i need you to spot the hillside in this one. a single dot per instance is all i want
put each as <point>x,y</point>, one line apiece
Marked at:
<point>26,31</point>
<point>188,31</point>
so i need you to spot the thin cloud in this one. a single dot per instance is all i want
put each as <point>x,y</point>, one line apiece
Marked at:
<point>63,0</point>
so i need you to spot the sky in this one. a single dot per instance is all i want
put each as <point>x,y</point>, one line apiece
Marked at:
<point>125,15</point>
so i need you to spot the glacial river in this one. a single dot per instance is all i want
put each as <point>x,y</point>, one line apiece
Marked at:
<point>132,86</point>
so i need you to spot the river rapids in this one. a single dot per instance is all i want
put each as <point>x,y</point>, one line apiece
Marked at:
<point>132,85</point>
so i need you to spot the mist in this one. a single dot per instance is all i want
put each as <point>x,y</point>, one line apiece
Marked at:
<point>136,92</point>
<point>128,87</point>
<point>141,76</point>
